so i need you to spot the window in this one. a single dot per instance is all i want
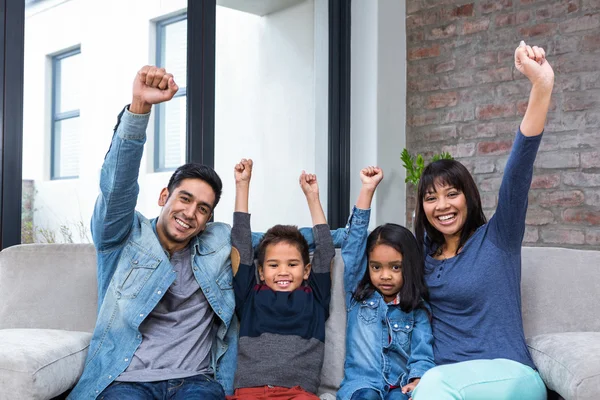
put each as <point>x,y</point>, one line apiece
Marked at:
<point>65,115</point>
<point>170,131</point>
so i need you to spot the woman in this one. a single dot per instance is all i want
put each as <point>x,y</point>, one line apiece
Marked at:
<point>473,268</point>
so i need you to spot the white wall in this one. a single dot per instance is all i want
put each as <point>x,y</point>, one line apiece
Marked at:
<point>265,102</point>
<point>378,103</point>
<point>265,110</point>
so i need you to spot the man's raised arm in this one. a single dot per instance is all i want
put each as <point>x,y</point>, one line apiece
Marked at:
<point>115,206</point>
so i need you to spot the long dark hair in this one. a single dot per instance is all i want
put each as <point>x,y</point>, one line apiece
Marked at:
<point>413,290</point>
<point>450,173</point>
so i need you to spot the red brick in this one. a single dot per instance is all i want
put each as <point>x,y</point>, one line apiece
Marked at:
<point>456,12</point>
<point>460,150</point>
<point>523,17</point>
<point>539,216</point>
<point>477,131</point>
<point>589,21</point>
<point>441,100</point>
<point>505,20</point>
<point>581,179</point>
<point>489,200</point>
<point>423,119</point>
<point>466,114</point>
<point>531,235</point>
<point>438,133</point>
<point>589,5</point>
<point>494,148</point>
<point>424,52</point>
<point>527,2</point>
<point>442,32</point>
<point>581,216</point>
<point>428,84</point>
<point>465,10</point>
<point>490,184</point>
<point>510,89</point>
<point>493,75</point>
<point>479,25</point>
<point>421,19</point>
<point>580,119</point>
<point>583,62</point>
<point>456,80</point>
<point>563,236</point>
<point>578,101</point>
<point>548,181</point>
<point>557,160</point>
<point>475,95</point>
<point>590,160</point>
<point>556,10</point>
<point>561,198</point>
<point>590,42</point>
<point>483,166</point>
<point>569,84</point>
<point>445,66</point>
<point>539,30</point>
<point>412,6</point>
<point>495,5</point>
<point>491,111</point>
<point>590,81</point>
<point>592,197</point>
<point>416,35</point>
<point>419,68</point>
<point>592,236</point>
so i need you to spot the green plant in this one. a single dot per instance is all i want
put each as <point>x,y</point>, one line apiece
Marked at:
<point>415,164</point>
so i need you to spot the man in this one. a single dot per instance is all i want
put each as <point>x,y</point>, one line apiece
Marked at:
<point>165,323</point>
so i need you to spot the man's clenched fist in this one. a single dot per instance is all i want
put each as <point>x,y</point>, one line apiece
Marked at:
<point>152,85</point>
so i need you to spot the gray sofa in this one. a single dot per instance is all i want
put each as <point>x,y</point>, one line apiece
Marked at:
<point>48,306</point>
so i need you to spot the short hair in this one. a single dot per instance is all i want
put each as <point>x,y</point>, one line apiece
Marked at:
<point>450,173</point>
<point>283,234</point>
<point>197,171</point>
<point>414,290</point>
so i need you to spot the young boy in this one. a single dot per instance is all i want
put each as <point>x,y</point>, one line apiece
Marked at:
<point>282,316</point>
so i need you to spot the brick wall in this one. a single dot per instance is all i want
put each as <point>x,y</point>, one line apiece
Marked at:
<point>465,97</point>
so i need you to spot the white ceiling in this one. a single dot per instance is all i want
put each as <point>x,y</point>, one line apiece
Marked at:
<point>258,7</point>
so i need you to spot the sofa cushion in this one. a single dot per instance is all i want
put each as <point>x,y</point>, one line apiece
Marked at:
<point>569,363</point>
<point>40,363</point>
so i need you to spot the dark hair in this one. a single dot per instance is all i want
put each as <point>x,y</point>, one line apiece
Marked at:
<point>286,234</point>
<point>450,173</point>
<point>196,171</point>
<point>414,290</point>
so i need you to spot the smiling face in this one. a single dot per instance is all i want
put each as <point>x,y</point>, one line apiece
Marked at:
<point>184,213</point>
<point>446,209</point>
<point>385,271</point>
<point>283,269</point>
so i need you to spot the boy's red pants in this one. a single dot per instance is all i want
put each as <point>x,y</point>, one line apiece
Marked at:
<point>272,393</point>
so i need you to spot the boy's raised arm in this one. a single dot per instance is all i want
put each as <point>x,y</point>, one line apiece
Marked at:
<point>324,250</point>
<point>241,234</point>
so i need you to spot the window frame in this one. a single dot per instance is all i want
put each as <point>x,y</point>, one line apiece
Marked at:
<point>57,116</point>
<point>159,115</point>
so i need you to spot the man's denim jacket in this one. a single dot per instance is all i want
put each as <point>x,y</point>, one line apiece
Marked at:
<point>134,271</point>
<point>384,345</point>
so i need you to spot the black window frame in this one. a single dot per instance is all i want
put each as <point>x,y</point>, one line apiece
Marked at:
<point>59,116</point>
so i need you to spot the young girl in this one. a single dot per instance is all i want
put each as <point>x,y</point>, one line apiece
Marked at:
<point>388,337</point>
<point>473,267</point>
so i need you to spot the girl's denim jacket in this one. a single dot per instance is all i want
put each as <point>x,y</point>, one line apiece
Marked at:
<point>385,347</point>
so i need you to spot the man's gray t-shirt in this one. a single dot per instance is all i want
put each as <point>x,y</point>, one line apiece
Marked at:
<point>178,334</point>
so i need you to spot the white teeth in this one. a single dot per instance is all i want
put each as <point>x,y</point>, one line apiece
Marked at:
<point>283,283</point>
<point>446,217</point>
<point>182,224</point>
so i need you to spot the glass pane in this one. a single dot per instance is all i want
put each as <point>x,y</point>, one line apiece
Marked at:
<point>68,82</point>
<point>270,106</point>
<point>67,144</point>
<point>175,51</point>
<point>174,128</point>
<point>116,39</point>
